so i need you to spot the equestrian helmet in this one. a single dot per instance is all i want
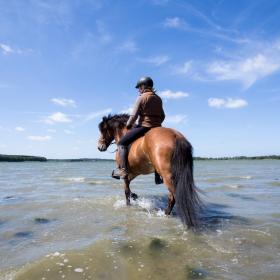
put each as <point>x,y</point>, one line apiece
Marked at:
<point>146,81</point>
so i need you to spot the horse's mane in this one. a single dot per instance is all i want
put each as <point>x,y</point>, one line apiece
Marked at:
<point>116,121</point>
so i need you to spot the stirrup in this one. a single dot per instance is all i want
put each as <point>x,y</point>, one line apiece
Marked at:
<point>115,176</point>
<point>119,174</point>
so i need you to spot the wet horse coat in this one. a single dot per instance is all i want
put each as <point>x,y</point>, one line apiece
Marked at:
<point>163,150</point>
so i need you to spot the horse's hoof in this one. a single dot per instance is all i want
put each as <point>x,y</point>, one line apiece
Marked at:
<point>134,196</point>
<point>167,212</point>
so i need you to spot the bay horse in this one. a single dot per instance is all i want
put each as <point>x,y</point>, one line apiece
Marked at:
<point>161,150</point>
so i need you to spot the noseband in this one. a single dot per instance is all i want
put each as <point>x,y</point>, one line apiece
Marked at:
<point>104,141</point>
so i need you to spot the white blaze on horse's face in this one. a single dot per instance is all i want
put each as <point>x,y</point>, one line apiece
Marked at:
<point>101,145</point>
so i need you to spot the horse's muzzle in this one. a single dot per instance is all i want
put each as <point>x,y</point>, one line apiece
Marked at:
<point>102,147</point>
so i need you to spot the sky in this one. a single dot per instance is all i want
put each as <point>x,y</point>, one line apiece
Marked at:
<point>65,64</point>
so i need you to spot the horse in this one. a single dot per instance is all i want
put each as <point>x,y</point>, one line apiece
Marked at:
<point>164,151</point>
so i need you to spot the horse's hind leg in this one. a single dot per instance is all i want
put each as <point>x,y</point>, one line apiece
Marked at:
<point>171,195</point>
<point>171,203</point>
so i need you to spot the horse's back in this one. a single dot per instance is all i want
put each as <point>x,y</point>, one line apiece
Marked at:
<point>163,131</point>
<point>161,137</point>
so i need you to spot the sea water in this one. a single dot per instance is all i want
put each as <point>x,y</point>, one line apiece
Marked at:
<point>69,220</point>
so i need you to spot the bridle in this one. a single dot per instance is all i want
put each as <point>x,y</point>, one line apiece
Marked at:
<point>104,141</point>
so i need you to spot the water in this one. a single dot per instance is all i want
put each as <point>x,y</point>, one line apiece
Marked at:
<point>63,220</point>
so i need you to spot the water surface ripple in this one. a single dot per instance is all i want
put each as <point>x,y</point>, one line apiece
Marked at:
<point>68,220</point>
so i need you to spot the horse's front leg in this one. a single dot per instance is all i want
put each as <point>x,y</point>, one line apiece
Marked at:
<point>127,191</point>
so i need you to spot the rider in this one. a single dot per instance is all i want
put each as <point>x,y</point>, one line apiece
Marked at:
<point>148,108</point>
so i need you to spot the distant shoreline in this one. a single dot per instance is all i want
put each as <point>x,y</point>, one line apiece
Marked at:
<point>22,158</point>
<point>19,158</point>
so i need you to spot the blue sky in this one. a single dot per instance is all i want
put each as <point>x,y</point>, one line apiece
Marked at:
<point>64,64</point>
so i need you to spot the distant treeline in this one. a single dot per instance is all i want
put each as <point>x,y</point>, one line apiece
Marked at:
<point>17,158</point>
<point>81,159</point>
<point>238,158</point>
<point>195,158</point>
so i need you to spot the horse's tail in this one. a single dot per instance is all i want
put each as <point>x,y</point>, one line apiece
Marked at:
<point>187,200</point>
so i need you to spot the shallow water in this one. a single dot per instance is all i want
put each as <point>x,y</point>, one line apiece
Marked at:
<point>69,221</point>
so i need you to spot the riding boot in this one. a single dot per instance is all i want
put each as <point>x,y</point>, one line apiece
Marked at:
<point>122,171</point>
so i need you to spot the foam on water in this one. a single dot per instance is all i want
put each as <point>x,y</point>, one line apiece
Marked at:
<point>73,179</point>
<point>120,203</point>
<point>218,179</point>
<point>97,182</point>
<point>246,177</point>
<point>144,203</point>
<point>227,187</point>
<point>235,186</point>
<point>149,205</point>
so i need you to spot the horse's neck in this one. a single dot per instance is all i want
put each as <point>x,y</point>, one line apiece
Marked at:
<point>119,133</point>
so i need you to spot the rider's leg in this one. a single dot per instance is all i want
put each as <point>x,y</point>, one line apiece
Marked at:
<point>132,135</point>
<point>123,153</point>
<point>123,144</point>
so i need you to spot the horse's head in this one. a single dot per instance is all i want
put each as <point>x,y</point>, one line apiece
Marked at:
<point>109,127</point>
<point>106,136</point>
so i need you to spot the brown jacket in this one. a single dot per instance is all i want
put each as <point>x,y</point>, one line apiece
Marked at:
<point>148,108</point>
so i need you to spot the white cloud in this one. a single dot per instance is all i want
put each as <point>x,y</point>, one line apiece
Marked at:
<point>156,60</point>
<point>227,103</point>
<point>174,22</point>
<point>246,65</point>
<point>176,119</point>
<point>6,49</point>
<point>128,46</point>
<point>64,102</point>
<point>247,70</point>
<point>39,138</point>
<point>57,118</point>
<point>216,102</point>
<point>168,94</point>
<point>97,114</point>
<point>3,146</point>
<point>19,129</point>
<point>185,69</point>
<point>128,110</point>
